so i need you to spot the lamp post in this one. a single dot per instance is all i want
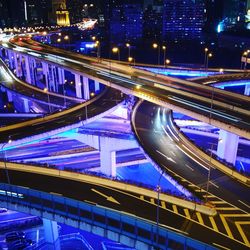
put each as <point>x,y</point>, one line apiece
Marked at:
<point>209,169</point>
<point>155,46</point>
<point>116,50</point>
<point>128,46</point>
<point>46,91</point>
<point>131,59</point>
<point>208,56</point>
<point>205,56</point>
<point>66,38</point>
<point>97,45</point>
<point>167,62</point>
<point>4,160</point>
<point>246,56</point>
<point>164,55</point>
<point>158,189</point>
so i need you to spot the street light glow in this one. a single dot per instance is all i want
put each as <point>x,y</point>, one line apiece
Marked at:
<point>155,45</point>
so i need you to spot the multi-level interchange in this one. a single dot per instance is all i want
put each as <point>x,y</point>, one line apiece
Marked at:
<point>217,216</point>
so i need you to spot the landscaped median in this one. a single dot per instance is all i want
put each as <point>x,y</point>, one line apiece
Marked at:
<point>202,208</point>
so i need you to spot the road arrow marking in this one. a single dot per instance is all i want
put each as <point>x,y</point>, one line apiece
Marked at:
<point>109,198</point>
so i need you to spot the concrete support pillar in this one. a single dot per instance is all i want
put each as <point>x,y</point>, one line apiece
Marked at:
<point>86,88</point>
<point>78,85</point>
<point>27,69</point>
<point>107,157</point>
<point>227,146</point>
<point>247,89</point>
<point>97,86</point>
<point>26,106</point>
<point>61,76</point>
<point>53,82</point>
<point>16,63</point>
<point>9,95</point>
<point>45,68</point>
<point>11,59</point>
<point>51,233</point>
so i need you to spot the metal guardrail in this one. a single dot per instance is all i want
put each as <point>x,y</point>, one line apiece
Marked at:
<point>131,226</point>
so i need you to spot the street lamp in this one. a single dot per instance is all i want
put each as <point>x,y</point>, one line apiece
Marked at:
<point>155,46</point>
<point>97,45</point>
<point>209,169</point>
<point>246,56</point>
<point>167,62</point>
<point>131,59</point>
<point>4,159</point>
<point>205,56</point>
<point>45,90</point>
<point>116,50</point>
<point>208,56</point>
<point>164,55</point>
<point>158,189</point>
<point>128,46</point>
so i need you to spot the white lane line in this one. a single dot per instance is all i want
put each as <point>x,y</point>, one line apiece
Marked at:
<point>214,184</point>
<point>218,245</point>
<point>168,158</point>
<point>189,167</point>
<point>244,203</point>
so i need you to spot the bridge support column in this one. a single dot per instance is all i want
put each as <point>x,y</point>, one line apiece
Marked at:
<point>78,86</point>
<point>61,79</point>
<point>247,89</point>
<point>11,59</point>
<point>228,146</point>
<point>97,86</point>
<point>26,105</point>
<point>107,157</point>
<point>27,69</point>
<point>45,68</point>
<point>86,87</point>
<point>51,233</point>
<point>54,84</point>
<point>16,62</point>
<point>9,95</point>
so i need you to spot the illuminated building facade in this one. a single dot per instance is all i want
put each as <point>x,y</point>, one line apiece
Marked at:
<point>60,14</point>
<point>183,19</point>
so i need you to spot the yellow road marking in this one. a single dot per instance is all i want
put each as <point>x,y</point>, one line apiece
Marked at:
<point>238,225</point>
<point>229,233</point>
<point>175,209</point>
<point>226,208</point>
<point>186,211</point>
<point>199,218</point>
<point>218,202</point>
<point>208,196</point>
<point>213,224</point>
<point>163,204</point>
<point>236,215</point>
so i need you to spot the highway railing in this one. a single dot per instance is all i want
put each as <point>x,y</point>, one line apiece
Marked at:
<point>87,216</point>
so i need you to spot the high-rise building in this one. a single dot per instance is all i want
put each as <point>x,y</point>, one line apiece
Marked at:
<point>213,14</point>
<point>10,17</point>
<point>152,19</point>
<point>183,19</point>
<point>123,20</point>
<point>60,14</point>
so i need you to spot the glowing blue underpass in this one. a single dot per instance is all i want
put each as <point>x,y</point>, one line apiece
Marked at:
<point>180,72</point>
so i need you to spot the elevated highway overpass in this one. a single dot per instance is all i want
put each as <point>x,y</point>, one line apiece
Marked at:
<point>219,108</point>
